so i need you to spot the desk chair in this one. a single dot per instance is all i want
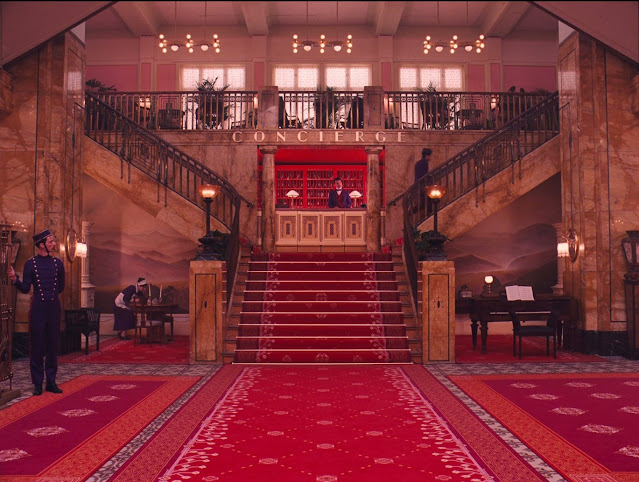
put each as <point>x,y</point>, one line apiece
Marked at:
<point>152,327</point>
<point>84,322</point>
<point>549,330</point>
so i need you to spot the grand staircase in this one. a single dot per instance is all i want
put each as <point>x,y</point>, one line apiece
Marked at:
<point>322,308</point>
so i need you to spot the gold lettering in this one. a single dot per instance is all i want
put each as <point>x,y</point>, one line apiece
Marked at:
<point>321,139</point>
<point>235,136</point>
<point>359,136</point>
<point>400,136</point>
<point>338,136</point>
<point>281,136</point>
<point>258,136</point>
<point>299,136</point>
<point>380,136</point>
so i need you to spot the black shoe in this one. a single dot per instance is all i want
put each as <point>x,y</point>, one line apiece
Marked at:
<point>52,387</point>
<point>37,390</point>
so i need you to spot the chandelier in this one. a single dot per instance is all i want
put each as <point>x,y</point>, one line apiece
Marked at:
<point>323,44</point>
<point>188,43</point>
<point>454,43</point>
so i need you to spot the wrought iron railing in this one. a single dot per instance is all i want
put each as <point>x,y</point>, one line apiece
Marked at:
<point>327,109</point>
<point>472,167</point>
<point>171,168</point>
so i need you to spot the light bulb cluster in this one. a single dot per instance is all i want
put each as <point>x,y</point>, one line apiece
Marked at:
<point>190,44</point>
<point>454,43</point>
<point>337,45</point>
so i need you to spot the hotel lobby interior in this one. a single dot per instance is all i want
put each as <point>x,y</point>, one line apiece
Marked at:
<point>195,144</point>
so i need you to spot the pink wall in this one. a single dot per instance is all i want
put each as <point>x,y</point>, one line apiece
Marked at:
<point>530,77</point>
<point>387,77</point>
<point>495,77</point>
<point>167,77</point>
<point>123,77</point>
<point>476,78</point>
<point>145,76</point>
<point>258,75</point>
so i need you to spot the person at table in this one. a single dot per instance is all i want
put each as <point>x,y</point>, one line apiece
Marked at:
<point>123,316</point>
<point>338,197</point>
<point>46,274</point>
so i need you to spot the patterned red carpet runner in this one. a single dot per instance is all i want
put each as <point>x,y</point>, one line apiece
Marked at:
<point>175,352</point>
<point>68,436</point>
<point>499,349</point>
<point>583,425</point>
<point>326,423</point>
<point>322,308</point>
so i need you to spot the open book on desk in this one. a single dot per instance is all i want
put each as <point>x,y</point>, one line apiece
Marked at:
<point>516,293</point>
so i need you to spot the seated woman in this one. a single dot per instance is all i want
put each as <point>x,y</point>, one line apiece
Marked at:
<point>123,317</point>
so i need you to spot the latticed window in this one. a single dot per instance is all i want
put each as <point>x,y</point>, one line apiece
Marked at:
<point>296,78</point>
<point>231,75</point>
<point>444,78</point>
<point>341,77</point>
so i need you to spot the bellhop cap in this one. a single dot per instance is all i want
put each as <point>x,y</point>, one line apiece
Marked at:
<point>141,281</point>
<point>38,238</point>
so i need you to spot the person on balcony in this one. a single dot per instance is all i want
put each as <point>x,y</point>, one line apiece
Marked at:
<point>46,274</point>
<point>421,170</point>
<point>123,316</point>
<point>339,197</point>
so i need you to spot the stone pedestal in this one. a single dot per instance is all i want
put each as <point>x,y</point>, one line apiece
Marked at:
<point>205,309</point>
<point>438,311</point>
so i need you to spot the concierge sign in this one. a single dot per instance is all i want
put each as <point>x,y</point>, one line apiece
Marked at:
<point>341,136</point>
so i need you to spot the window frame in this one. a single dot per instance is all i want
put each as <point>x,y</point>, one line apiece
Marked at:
<point>202,67</point>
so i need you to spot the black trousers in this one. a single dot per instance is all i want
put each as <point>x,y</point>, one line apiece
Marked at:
<point>44,331</point>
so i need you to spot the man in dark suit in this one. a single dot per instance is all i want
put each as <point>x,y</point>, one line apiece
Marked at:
<point>339,197</point>
<point>46,274</point>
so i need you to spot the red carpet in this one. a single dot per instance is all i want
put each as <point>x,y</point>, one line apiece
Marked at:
<point>499,349</point>
<point>69,436</point>
<point>323,423</point>
<point>583,425</point>
<point>322,308</point>
<point>176,352</point>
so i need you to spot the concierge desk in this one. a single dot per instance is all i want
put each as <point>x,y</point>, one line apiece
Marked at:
<point>320,230</point>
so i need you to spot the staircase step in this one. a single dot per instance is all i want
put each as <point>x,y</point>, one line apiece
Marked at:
<point>320,257</point>
<point>321,329</point>
<point>321,342</point>
<point>334,276</point>
<point>327,356</point>
<point>321,265</point>
<point>325,295</point>
<point>321,285</point>
<point>305,318</point>
<point>320,306</point>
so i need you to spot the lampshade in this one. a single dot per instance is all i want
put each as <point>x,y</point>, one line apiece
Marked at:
<point>81,250</point>
<point>488,279</point>
<point>209,191</point>
<point>355,194</point>
<point>562,249</point>
<point>435,191</point>
<point>292,194</point>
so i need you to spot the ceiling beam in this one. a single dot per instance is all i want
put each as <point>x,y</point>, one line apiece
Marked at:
<point>501,17</point>
<point>389,15</point>
<point>255,17</point>
<point>139,17</point>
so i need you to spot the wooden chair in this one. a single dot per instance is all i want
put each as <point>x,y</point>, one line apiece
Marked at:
<point>549,330</point>
<point>84,322</point>
<point>154,328</point>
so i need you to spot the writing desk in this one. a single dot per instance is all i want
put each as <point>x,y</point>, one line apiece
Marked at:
<point>487,310</point>
<point>145,314</point>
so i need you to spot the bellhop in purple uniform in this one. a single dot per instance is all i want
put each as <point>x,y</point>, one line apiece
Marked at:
<point>46,274</point>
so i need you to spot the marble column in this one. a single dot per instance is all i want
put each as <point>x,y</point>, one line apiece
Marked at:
<point>268,198</point>
<point>87,298</point>
<point>373,200</point>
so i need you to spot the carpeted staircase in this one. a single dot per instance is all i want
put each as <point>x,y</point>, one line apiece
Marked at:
<point>321,308</point>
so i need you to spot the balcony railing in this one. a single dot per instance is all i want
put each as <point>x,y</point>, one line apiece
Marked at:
<point>329,109</point>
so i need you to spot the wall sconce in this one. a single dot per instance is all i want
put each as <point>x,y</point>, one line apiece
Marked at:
<point>562,249</point>
<point>81,250</point>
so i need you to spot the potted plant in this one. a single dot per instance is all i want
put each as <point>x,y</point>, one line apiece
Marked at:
<point>327,105</point>
<point>429,245</point>
<point>211,110</point>
<point>94,85</point>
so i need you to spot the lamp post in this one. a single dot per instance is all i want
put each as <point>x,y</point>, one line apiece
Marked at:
<point>435,251</point>
<point>205,250</point>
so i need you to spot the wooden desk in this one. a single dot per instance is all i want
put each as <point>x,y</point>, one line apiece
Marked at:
<point>486,310</point>
<point>145,315</point>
